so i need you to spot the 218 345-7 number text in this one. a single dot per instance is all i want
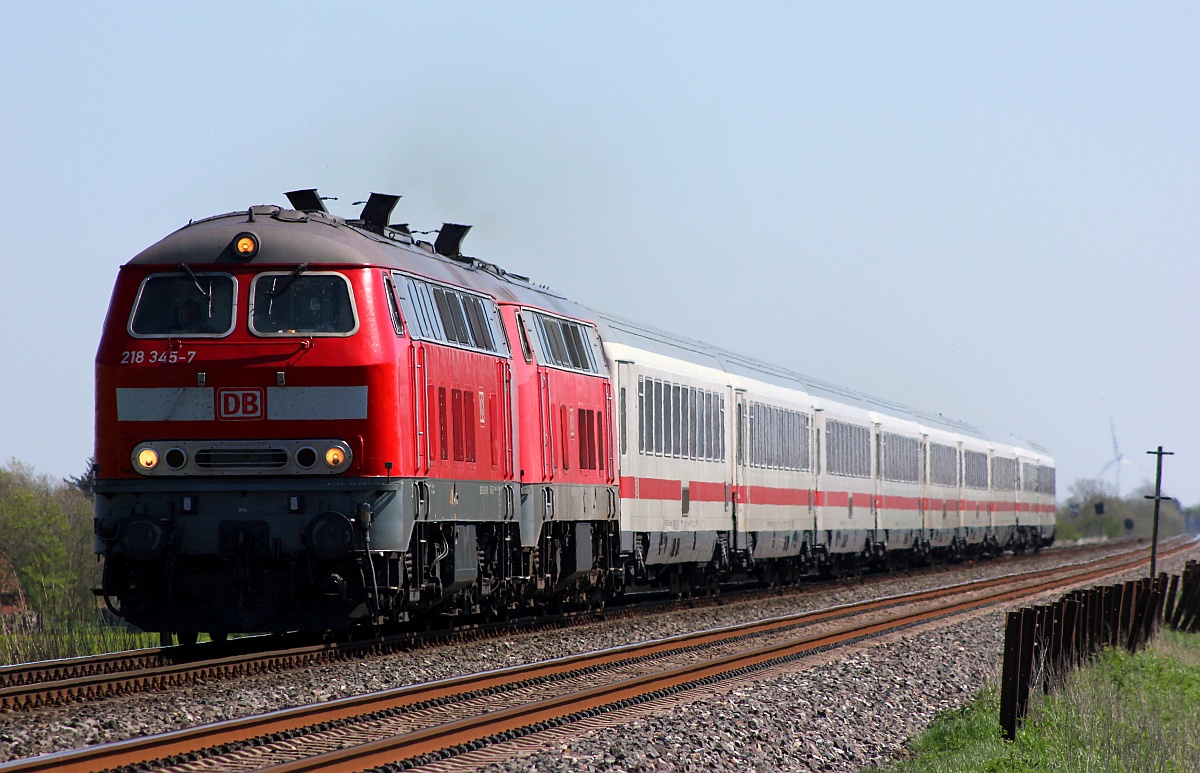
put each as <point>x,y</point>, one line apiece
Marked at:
<point>155,357</point>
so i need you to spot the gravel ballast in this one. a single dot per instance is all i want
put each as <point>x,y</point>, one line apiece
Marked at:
<point>859,708</point>
<point>823,705</point>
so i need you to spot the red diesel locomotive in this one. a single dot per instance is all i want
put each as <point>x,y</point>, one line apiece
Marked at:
<point>301,423</point>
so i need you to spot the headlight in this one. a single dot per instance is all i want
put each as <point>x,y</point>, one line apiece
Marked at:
<point>146,459</point>
<point>245,245</point>
<point>337,456</point>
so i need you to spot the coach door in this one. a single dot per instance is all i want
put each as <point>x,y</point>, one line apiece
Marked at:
<point>738,507</point>
<point>923,496</point>
<point>876,475</point>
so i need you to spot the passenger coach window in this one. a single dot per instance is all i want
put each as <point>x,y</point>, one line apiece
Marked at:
<point>975,470</point>
<point>1004,474</point>
<point>668,425</point>
<point>302,304</point>
<point>778,438</point>
<point>186,304</point>
<point>1028,477</point>
<point>943,465</point>
<point>849,449</point>
<point>1045,480</point>
<point>900,458</point>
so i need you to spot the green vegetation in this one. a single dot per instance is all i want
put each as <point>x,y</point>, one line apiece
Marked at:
<point>47,571</point>
<point>1122,713</point>
<point>67,638</point>
<point>46,540</point>
<point>1093,510</point>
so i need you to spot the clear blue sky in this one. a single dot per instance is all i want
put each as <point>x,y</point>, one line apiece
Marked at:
<point>987,210</point>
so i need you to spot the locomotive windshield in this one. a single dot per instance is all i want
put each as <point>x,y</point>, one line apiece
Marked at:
<point>301,304</point>
<point>186,304</point>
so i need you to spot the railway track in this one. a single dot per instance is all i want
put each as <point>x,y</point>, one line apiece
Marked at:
<point>33,686</point>
<point>415,725</point>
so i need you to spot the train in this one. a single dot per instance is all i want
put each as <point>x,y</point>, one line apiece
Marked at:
<point>306,422</point>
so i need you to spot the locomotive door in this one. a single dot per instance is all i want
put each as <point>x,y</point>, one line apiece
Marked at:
<point>546,422</point>
<point>604,431</point>
<point>508,440</point>
<point>420,404</point>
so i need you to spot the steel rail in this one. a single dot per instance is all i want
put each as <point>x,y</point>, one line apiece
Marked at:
<point>67,668</point>
<point>458,737</point>
<point>285,723</point>
<point>31,686</point>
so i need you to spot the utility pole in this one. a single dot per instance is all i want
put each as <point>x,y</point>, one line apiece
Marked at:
<point>1158,497</point>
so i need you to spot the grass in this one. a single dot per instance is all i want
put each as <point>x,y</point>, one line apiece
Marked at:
<point>24,642</point>
<point>1123,713</point>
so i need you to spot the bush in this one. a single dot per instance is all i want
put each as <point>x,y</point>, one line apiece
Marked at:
<point>46,543</point>
<point>1078,518</point>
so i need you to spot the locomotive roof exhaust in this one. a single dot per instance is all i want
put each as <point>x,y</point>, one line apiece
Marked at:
<point>450,238</point>
<point>377,211</point>
<point>375,214</point>
<point>306,200</point>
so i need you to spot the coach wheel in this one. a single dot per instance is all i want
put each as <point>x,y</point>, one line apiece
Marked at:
<point>223,636</point>
<point>187,637</point>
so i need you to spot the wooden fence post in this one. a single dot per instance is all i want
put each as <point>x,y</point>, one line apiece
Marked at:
<point>1010,674</point>
<point>1169,606</point>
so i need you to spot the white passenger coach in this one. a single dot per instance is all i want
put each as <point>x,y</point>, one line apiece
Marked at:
<point>728,460</point>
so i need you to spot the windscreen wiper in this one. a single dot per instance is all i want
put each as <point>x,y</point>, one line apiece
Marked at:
<point>287,281</point>
<point>192,275</point>
<point>278,287</point>
<point>206,293</point>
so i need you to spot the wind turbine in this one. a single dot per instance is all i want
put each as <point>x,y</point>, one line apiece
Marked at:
<point>1117,460</point>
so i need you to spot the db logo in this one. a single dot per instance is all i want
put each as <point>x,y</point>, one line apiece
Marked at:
<point>239,404</point>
